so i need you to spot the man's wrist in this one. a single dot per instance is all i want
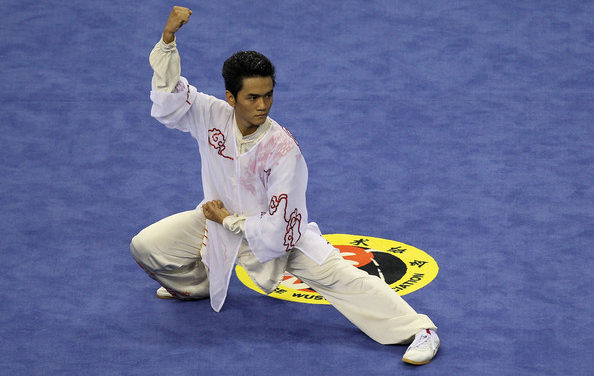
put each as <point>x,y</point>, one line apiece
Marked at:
<point>222,218</point>
<point>168,37</point>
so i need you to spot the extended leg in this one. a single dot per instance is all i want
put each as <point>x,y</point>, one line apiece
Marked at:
<point>365,300</point>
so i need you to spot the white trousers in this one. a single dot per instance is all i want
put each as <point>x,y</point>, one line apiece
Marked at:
<point>169,252</point>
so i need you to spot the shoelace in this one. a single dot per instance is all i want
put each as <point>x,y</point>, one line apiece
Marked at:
<point>423,341</point>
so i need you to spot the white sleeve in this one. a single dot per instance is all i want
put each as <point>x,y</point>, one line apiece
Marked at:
<point>235,223</point>
<point>164,60</point>
<point>279,229</point>
<point>173,109</point>
<point>176,103</point>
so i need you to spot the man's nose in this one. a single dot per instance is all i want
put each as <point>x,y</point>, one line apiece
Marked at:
<point>261,104</point>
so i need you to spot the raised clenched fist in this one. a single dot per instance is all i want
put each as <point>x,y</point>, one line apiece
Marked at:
<point>177,18</point>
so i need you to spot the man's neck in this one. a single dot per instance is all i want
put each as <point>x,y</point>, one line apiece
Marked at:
<point>247,130</point>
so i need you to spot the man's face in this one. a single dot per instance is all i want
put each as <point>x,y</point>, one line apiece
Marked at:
<point>252,103</point>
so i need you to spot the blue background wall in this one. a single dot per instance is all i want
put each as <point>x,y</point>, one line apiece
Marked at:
<point>463,128</point>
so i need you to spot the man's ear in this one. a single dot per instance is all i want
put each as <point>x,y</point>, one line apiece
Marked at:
<point>230,98</point>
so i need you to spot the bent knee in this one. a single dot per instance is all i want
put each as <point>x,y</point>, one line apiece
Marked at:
<point>140,247</point>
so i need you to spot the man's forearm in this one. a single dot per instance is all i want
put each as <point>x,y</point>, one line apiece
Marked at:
<point>168,37</point>
<point>165,62</point>
<point>164,58</point>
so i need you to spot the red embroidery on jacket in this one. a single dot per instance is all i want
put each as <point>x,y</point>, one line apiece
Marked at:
<point>292,233</point>
<point>216,139</point>
<point>267,176</point>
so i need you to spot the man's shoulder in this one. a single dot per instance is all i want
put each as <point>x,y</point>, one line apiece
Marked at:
<point>282,134</point>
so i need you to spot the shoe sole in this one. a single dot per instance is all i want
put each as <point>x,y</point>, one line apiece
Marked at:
<point>168,296</point>
<point>415,363</point>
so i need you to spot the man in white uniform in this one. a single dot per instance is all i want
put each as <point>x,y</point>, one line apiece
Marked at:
<point>254,211</point>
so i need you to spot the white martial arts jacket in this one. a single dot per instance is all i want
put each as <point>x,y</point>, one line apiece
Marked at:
<point>267,184</point>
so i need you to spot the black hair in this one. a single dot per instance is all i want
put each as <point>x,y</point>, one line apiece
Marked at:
<point>245,64</point>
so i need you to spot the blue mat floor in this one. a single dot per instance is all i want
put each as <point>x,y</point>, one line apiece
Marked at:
<point>462,128</point>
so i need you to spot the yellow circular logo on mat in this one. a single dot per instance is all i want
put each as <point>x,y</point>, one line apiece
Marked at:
<point>403,267</point>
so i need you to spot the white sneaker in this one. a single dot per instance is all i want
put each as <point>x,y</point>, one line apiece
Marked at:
<point>162,293</point>
<point>423,348</point>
